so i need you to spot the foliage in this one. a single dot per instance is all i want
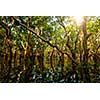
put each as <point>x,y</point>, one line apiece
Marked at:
<point>49,49</point>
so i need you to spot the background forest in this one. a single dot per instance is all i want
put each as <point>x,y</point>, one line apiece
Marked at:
<point>49,49</point>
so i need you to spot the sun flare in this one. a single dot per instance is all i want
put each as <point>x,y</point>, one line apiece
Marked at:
<point>78,19</point>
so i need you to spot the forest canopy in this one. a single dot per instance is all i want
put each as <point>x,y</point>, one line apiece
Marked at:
<point>49,49</point>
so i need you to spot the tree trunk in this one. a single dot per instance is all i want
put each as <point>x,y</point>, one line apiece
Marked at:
<point>85,55</point>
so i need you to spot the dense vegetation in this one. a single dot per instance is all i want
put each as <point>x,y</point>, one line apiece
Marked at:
<point>49,49</point>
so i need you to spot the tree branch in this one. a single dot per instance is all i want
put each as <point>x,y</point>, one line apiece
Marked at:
<point>44,40</point>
